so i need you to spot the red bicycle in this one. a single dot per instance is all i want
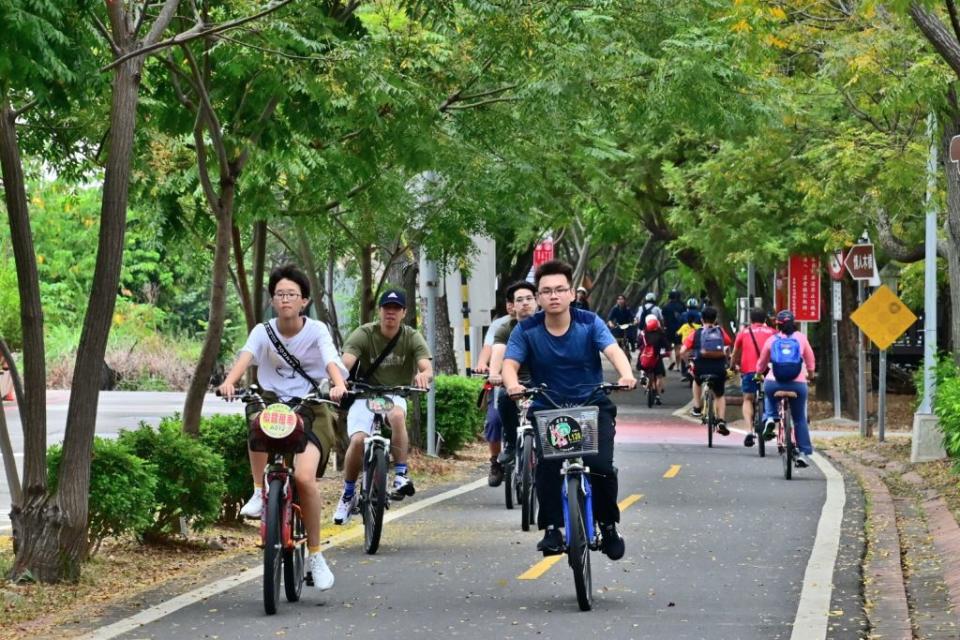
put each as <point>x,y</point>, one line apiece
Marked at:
<point>278,429</point>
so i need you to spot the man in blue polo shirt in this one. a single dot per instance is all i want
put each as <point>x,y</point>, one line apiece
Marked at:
<point>561,347</point>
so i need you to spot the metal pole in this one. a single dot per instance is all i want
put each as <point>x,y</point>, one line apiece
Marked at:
<point>882,397</point>
<point>930,279</point>
<point>835,345</point>
<point>861,370</point>
<point>430,276</point>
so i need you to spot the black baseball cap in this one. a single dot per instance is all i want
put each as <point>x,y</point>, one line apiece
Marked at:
<point>393,296</point>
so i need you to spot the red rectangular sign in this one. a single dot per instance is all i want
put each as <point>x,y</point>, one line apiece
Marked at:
<point>543,252</point>
<point>804,278</point>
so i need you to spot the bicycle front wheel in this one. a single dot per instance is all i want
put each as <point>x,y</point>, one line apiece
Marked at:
<point>294,556</point>
<point>758,427</point>
<point>527,495</point>
<point>508,488</point>
<point>375,500</point>
<point>791,450</point>
<point>272,548</point>
<point>578,547</point>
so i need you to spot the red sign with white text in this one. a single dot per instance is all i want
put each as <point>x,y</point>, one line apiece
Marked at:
<point>543,252</point>
<point>804,277</point>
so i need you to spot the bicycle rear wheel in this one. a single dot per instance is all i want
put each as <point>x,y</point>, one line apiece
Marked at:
<point>508,488</point>
<point>578,548</point>
<point>790,452</point>
<point>527,494</point>
<point>272,548</point>
<point>294,557</point>
<point>711,421</point>
<point>375,500</point>
<point>651,393</point>
<point>758,426</point>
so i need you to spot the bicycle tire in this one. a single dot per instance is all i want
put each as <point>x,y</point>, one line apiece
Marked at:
<point>578,547</point>
<point>790,453</point>
<point>651,393</point>
<point>758,426</point>
<point>294,557</point>
<point>376,500</point>
<point>272,548</point>
<point>708,407</point>
<point>527,494</point>
<point>508,485</point>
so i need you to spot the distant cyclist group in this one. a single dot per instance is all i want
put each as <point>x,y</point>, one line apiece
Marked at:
<point>546,349</point>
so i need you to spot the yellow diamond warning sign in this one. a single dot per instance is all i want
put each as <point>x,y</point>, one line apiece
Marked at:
<point>883,317</point>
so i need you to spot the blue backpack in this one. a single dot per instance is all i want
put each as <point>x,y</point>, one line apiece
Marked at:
<point>786,358</point>
<point>711,344</point>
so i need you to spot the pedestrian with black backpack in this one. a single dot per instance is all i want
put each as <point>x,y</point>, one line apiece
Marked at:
<point>707,348</point>
<point>792,363</point>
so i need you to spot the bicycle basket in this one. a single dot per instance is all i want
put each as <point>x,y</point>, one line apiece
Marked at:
<point>567,433</point>
<point>278,429</point>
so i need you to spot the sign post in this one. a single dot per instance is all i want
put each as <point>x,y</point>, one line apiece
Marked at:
<point>860,264</point>
<point>836,270</point>
<point>883,318</point>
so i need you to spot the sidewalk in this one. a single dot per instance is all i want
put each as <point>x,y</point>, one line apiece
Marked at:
<point>911,567</point>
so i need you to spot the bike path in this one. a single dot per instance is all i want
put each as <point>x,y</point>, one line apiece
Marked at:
<point>717,550</point>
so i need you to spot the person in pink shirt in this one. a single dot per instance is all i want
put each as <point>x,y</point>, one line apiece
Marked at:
<point>746,352</point>
<point>792,353</point>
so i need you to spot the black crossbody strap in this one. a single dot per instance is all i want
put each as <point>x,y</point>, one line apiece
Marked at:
<point>366,375</point>
<point>754,338</point>
<point>288,357</point>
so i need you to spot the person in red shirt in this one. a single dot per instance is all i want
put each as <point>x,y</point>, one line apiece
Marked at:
<point>708,351</point>
<point>746,352</point>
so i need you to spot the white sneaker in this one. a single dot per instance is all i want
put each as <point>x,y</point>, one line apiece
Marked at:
<point>345,508</point>
<point>254,506</point>
<point>317,567</point>
<point>803,461</point>
<point>402,487</point>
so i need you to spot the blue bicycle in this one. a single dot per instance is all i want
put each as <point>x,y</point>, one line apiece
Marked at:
<point>569,434</point>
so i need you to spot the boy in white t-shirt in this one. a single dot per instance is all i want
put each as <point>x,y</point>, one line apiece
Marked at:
<point>310,342</point>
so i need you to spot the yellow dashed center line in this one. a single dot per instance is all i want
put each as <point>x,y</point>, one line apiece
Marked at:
<point>672,471</point>
<point>544,565</point>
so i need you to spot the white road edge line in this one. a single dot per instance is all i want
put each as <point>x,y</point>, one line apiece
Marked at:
<point>166,608</point>
<point>813,611</point>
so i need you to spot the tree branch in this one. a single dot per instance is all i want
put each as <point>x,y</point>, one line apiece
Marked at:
<point>207,113</point>
<point>473,105</point>
<point>938,35</point>
<point>102,29</point>
<point>199,30</point>
<point>894,245</point>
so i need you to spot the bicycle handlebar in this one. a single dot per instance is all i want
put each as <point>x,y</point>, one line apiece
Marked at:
<point>253,392</point>
<point>362,389</point>
<point>606,388</point>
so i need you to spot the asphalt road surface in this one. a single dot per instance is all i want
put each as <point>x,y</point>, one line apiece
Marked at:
<point>718,547</point>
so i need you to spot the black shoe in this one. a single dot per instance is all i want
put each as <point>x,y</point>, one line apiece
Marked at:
<point>508,455</point>
<point>722,428</point>
<point>495,477</point>
<point>696,412</point>
<point>657,401</point>
<point>748,440</point>
<point>552,543</point>
<point>611,542</point>
<point>770,429</point>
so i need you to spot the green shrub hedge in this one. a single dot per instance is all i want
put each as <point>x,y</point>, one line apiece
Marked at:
<point>190,477</point>
<point>459,420</point>
<point>226,435</point>
<point>946,405</point>
<point>122,490</point>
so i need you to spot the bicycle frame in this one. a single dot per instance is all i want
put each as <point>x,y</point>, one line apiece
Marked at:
<point>574,466</point>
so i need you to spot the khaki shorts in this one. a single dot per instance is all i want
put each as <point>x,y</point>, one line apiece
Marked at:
<point>321,432</point>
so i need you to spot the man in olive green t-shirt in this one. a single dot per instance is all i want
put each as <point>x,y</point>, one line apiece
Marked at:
<point>409,360</point>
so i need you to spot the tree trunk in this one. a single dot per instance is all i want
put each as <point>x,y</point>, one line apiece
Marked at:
<point>243,286</point>
<point>331,304</point>
<point>193,405</point>
<point>33,400</point>
<point>317,293</point>
<point>950,246</point>
<point>444,360</point>
<point>848,352</point>
<point>259,267</point>
<point>54,531</point>
<point>366,284</point>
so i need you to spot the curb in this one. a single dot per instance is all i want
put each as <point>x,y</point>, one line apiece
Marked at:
<point>946,539</point>
<point>889,614</point>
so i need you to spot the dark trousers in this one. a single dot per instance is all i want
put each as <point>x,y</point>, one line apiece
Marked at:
<point>509,418</point>
<point>603,476</point>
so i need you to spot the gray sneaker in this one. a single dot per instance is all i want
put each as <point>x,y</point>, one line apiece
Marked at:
<point>803,461</point>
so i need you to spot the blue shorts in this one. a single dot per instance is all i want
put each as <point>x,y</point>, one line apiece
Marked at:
<point>492,427</point>
<point>748,383</point>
